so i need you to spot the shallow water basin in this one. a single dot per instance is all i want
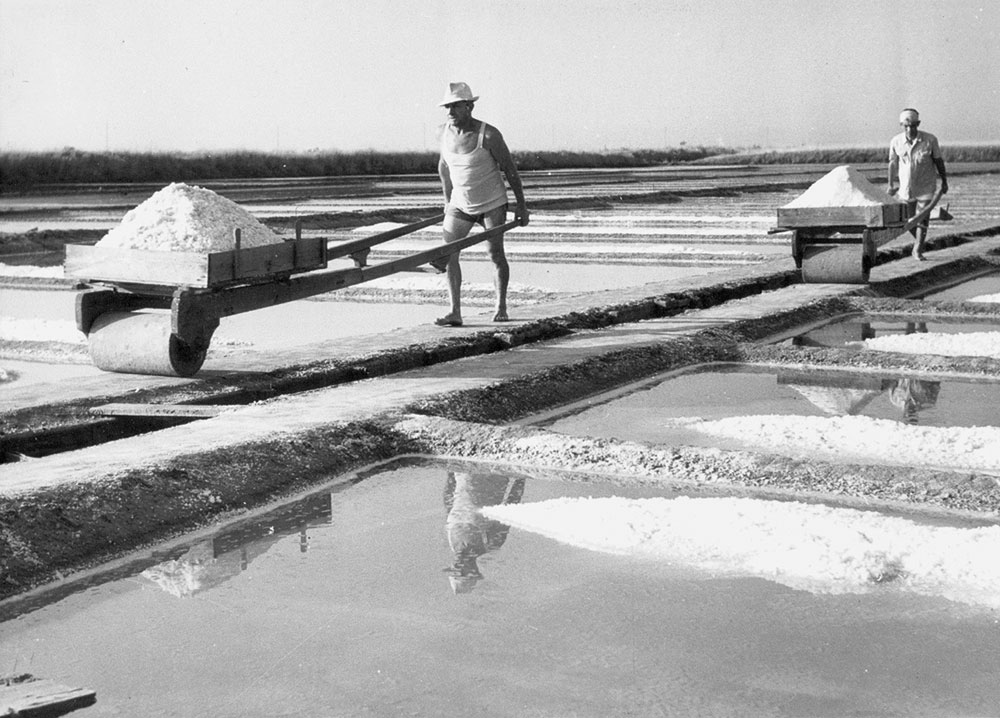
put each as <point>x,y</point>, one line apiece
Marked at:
<point>836,416</point>
<point>392,594</point>
<point>851,332</point>
<point>985,288</point>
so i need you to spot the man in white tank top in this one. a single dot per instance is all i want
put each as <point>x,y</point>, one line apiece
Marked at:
<point>474,161</point>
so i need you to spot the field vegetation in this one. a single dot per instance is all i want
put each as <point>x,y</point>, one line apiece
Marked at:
<point>846,155</point>
<point>25,170</point>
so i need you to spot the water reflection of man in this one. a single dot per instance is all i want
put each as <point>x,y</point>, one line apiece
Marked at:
<point>911,396</point>
<point>470,534</point>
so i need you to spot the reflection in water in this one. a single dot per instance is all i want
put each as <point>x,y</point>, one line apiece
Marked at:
<point>847,394</point>
<point>214,561</point>
<point>835,334</point>
<point>914,395</point>
<point>850,332</point>
<point>470,534</point>
<point>836,394</point>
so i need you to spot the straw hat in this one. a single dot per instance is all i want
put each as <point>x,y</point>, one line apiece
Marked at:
<point>457,92</point>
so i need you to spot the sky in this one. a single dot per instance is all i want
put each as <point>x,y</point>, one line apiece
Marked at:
<point>347,75</point>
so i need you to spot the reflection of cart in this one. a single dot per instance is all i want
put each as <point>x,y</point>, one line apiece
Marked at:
<point>122,286</point>
<point>838,244</point>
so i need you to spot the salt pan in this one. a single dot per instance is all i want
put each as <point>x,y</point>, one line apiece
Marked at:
<point>183,218</point>
<point>842,186</point>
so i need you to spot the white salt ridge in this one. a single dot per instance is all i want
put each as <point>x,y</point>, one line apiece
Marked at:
<point>858,439</point>
<point>803,546</point>
<point>842,186</point>
<point>19,270</point>
<point>979,344</point>
<point>987,298</point>
<point>40,330</point>
<point>183,218</point>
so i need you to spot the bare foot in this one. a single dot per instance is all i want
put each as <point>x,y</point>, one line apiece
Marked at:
<point>449,320</point>
<point>501,316</point>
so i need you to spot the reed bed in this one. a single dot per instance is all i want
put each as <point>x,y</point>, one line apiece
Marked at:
<point>26,170</point>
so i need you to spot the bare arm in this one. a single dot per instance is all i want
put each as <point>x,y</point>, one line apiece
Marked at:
<point>942,173</point>
<point>445,175</point>
<point>494,142</point>
<point>893,184</point>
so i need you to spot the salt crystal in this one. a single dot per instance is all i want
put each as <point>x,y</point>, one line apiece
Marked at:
<point>183,218</point>
<point>842,186</point>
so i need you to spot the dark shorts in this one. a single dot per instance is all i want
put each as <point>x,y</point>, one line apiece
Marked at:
<point>479,219</point>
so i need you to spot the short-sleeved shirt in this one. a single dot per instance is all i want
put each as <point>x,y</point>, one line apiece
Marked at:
<point>915,163</point>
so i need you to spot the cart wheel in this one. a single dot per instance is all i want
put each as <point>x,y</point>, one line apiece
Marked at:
<point>834,264</point>
<point>141,343</point>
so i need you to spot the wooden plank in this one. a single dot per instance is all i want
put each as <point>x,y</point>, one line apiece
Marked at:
<point>42,698</point>
<point>298,255</point>
<point>136,265</point>
<point>189,411</point>
<point>874,215</point>
<point>194,269</point>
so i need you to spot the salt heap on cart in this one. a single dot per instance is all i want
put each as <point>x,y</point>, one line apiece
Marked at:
<point>184,218</point>
<point>842,186</point>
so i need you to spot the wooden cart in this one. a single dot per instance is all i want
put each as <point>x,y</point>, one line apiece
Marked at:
<point>838,244</point>
<point>120,287</point>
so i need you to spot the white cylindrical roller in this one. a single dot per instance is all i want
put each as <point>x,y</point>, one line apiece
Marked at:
<point>141,343</point>
<point>834,264</point>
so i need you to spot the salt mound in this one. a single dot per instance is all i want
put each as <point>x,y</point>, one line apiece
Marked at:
<point>182,218</point>
<point>970,344</point>
<point>842,186</point>
<point>805,546</point>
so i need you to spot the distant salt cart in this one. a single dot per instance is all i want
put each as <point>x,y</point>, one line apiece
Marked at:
<point>120,286</point>
<point>838,224</point>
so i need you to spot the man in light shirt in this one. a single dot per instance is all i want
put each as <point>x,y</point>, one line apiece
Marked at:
<point>474,162</point>
<point>915,164</point>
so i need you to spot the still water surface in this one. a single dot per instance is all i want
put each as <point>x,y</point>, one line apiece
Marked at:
<point>386,595</point>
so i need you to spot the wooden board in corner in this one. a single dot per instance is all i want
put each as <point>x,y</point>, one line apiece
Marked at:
<point>867,215</point>
<point>194,269</point>
<point>29,696</point>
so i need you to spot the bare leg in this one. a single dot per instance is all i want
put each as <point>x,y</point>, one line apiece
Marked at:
<point>501,269</point>
<point>454,230</point>
<point>920,234</point>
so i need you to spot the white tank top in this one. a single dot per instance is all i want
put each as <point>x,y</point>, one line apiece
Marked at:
<point>477,182</point>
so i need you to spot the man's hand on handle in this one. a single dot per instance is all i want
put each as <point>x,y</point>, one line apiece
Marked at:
<point>521,215</point>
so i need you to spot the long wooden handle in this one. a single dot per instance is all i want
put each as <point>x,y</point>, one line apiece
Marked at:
<point>919,217</point>
<point>346,249</point>
<point>412,261</point>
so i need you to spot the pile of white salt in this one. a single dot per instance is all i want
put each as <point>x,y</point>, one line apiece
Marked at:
<point>805,546</point>
<point>183,218</point>
<point>842,186</point>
